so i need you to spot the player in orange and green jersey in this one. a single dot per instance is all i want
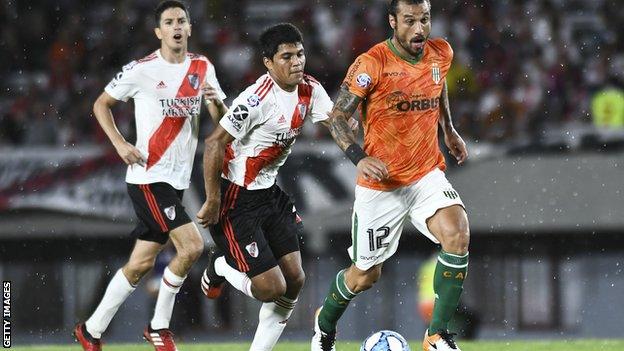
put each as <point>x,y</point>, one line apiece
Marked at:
<point>400,109</point>
<point>399,86</point>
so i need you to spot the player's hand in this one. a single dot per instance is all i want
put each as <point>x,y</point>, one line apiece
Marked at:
<point>456,146</point>
<point>354,125</point>
<point>372,168</point>
<point>209,212</point>
<point>130,154</point>
<point>210,93</point>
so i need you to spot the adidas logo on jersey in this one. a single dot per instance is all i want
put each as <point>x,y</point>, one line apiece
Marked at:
<point>282,119</point>
<point>161,85</point>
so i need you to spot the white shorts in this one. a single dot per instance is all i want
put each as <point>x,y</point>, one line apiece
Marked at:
<point>379,216</point>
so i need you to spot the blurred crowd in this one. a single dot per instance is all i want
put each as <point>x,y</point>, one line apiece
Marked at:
<point>524,72</point>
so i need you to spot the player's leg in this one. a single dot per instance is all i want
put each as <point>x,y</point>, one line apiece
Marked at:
<point>450,226</point>
<point>189,245</point>
<point>378,218</point>
<point>345,287</point>
<point>282,229</point>
<point>168,221</point>
<point>150,241</point>
<point>124,282</point>
<point>438,213</point>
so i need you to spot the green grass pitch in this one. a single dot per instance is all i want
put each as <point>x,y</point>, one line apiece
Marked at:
<point>515,345</point>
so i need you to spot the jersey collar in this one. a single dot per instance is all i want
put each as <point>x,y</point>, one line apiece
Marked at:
<point>398,54</point>
<point>186,59</point>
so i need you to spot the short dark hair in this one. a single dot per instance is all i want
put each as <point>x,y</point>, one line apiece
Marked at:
<point>392,6</point>
<point>165,5</point>
<point>272,37</point>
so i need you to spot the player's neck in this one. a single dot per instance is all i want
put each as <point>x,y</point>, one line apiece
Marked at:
<point>285,87</point>
<point>404,54</point>
<point>172,56</point>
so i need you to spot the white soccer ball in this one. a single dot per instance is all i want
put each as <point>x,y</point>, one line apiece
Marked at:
<point>385,340</point>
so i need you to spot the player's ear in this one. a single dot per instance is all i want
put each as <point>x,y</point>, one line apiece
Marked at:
<point>268,63</point>
<point>158,33</point>
<point>392,21</point>
<point>190,29</point>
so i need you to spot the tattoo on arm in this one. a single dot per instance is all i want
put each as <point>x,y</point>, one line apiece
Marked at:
<point>445,109</point>
<point>345,106</point>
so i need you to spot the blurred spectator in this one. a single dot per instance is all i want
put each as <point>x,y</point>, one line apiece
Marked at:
<point>608,108</point>
<point>520,68</point>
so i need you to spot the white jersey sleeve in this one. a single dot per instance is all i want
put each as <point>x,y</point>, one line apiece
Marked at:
<point>321,104</point>
<point>242,116</point>
<point>211,78</point>
<point>124,85</point>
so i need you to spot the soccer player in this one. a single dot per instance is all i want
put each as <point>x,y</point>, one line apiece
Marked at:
<point>252,221</point>
<point>167,87</point>
<point>400,87</point>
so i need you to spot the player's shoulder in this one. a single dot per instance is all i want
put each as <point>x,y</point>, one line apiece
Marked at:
<point>197,57</point>
<point>138,64</point>
<point>441,46</point>
<point>256,94</point>
<point>376,54</point>
<point>310,80</point>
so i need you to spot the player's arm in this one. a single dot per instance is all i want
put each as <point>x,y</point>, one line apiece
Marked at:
<point>102,111</point>
<point>454,142</point>
<point>342,132</point>
<point>214,150</point>
<point>216,107</point>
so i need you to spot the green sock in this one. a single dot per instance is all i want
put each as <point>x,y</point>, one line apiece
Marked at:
<point>335,303</point>
<point>448,280</point>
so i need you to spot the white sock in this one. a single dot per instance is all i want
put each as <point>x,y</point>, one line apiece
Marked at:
<point>116,293</point>
<point>272,321</point>
<point>169,287</point>
<point>237,279</point>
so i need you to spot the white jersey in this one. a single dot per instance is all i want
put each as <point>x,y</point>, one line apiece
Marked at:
<point>167,100</point>
<point>265,121</point>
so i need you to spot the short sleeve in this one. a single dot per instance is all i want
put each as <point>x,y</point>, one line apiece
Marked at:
<point>124,85</point>
<point>363,75</point>
<point>211,78</point>
<point>321,104</point>
<point>242,116</point>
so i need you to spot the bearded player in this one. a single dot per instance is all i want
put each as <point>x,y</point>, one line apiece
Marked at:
<point>400,88</point>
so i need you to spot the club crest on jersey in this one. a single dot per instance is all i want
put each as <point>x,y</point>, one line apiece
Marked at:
<point>170,212</point>
<point>253,100</point>
<point>363,80</point>
<point>302,110</point>
<point>193,80</point>
<point>252,249</point>
<point>435,73</point>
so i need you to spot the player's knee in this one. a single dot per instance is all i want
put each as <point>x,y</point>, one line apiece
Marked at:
<point>136,269</point>
<point>196,251</point>
<point>295,284</point>
<point>271,292</point>
<point>456,240</point>
<point>192,250</point>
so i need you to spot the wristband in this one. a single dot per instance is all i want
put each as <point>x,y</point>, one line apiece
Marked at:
<point>355,153</point>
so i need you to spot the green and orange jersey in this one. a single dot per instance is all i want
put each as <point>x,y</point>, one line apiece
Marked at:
<point>400,109</point>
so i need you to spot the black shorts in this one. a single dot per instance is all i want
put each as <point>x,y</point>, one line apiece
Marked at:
<point>256,227</point>
<point>159,208</point>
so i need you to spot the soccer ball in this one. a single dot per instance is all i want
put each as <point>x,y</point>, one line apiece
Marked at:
<point>385,340</point>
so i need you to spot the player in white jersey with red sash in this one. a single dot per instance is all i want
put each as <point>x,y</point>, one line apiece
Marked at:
<point>253,222</point>
<point>167,87</point>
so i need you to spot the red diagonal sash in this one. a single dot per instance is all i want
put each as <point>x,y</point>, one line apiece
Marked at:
<point>170,127</point>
